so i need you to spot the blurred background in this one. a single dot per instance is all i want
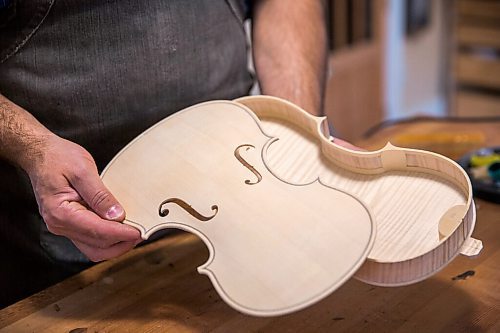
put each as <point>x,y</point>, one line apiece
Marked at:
<point>398,59</point>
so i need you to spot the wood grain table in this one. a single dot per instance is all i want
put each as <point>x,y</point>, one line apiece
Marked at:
<point>155,288</point>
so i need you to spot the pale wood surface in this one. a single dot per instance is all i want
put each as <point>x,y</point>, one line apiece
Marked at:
<point>156,288</point>
<point>275,246</point>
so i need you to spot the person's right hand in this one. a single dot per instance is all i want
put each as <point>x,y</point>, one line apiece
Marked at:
<point>74,202</point>
<point>345,144</point>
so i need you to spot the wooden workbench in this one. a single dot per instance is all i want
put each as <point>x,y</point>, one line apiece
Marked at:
<point>155,288</point>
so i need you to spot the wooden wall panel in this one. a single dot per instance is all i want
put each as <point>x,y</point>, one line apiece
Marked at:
<point>476,60</point>
<point>478,36</point>
<point>477,70</point>
<point>354,92</point>
<point>469,104</point>
<point>481,8</point>
<point>339,23</point>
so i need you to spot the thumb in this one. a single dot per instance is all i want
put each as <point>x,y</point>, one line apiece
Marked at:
<point>98,197</point>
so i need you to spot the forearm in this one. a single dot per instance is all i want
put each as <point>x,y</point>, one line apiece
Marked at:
<point>22,137</point>
<point>71,197</point>
<point>289,43</point>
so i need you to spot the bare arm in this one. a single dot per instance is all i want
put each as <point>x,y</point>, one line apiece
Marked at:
<point>71,197</point>
<point>22,137</point>
<point>290,51</point>
<point>290,47</point>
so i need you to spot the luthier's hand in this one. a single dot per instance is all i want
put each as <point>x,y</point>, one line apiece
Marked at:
<point>71,197</point>
<point>346,144</point>
<point>74,202</point>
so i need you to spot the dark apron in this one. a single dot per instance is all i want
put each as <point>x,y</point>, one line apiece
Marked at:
<point>99,72</point>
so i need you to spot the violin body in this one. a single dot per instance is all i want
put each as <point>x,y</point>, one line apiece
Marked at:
<point>287,215</point>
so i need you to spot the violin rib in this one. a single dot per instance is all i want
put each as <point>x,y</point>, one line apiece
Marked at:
<point>421,201</point>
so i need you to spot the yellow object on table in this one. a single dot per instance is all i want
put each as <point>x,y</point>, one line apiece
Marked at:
<point>479,160</point>
<point>454,143</point>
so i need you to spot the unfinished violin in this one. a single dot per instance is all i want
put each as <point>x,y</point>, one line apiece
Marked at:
<point>287,215</point>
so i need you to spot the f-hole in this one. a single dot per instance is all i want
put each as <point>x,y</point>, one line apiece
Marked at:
<point>246,164</point>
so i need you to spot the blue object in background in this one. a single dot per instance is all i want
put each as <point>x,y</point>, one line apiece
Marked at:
<point>487,188</point>
<point>494,171</point>
<point>4,3</point>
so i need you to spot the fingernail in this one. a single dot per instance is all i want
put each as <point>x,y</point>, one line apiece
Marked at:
<point>114,212</point>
